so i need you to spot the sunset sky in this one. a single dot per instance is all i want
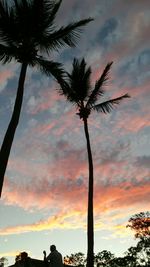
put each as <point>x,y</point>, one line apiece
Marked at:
<point>44,198</point>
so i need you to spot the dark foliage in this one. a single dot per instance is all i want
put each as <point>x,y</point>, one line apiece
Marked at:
<point>140,223</point>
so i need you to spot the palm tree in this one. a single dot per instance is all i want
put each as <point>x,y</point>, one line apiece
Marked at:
<point>77,89</point>
<point>28,34</point>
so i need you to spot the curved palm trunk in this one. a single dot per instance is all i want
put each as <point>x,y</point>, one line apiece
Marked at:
<point>9,136</point>
<point>90,219</point>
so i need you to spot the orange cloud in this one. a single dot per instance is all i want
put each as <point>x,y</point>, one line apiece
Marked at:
<point>66,220</point>
<point>111,203</point>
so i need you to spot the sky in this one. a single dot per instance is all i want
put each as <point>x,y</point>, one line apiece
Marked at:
<point>44,198</point>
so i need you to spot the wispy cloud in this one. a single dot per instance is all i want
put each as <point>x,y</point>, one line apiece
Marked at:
<point>129,196</point>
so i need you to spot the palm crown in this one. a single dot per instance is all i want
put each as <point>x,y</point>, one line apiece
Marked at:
<point>76,86</point>
<point>28,27</point>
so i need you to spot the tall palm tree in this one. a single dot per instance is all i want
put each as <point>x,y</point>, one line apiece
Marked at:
<point>77,89</point>
<point>28,34</point>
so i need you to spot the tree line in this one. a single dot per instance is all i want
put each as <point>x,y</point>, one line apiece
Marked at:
<point>135,256</point>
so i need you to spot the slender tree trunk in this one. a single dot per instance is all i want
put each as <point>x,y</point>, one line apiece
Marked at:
<point>90,219</point>
<point>9,136</point>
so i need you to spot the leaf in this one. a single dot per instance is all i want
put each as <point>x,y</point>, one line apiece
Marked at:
<point>50,67</point>
<point>98,90</point>
<point>79,79</point>
<point>107,106</point>
<point>66,35</point>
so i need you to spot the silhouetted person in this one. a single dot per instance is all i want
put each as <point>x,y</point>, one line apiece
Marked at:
<point>54,258</point>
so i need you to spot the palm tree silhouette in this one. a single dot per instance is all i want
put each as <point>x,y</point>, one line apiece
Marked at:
<point>77,89</point>
<point>28,34</point>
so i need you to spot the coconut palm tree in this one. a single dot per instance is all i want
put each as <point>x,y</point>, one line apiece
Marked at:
<point>27,35</point>
<point>77,89</point>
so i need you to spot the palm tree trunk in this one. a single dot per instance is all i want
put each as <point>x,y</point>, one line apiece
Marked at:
<point>90,219</point>
<point>9,136</point>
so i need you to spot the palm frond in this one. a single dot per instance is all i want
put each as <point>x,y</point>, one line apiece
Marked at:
<point>6,53</point>
<point>50,68</point>
<point>67,91</point>
<point>43,13</point>
<point>56,70</point>
<point>46,8</point>
<point>54,10</point>
<point>65,35</point>
<point>108,106</point>
<point>3,8</point>
<point>8,31</point>
<point>29,25</point>
<point>32,19</point>
<point>64,88</point>
<point>26,20</point>
<point>79,79</point>
<point>98,89</point>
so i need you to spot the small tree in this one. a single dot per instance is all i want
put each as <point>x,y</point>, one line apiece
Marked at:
<point>140,223</point>
<point>3,262</point>
<point>103,258</point>
<point>77,259</point>
<point>140,254</point>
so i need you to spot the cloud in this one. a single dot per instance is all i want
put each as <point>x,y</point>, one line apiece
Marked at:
<point>49,169</point>
<point>108,34</point>
<point>60,221</point>
<point>5,75</point>
<point>127,196</point>
<point>117,184</point>
<point>46,100</point>
<point>134,123</point>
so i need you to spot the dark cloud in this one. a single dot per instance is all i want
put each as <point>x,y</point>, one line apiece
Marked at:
<point>106,31</point>
<point>144,58</point>
<point>143,162</point>
<point>136,68</point>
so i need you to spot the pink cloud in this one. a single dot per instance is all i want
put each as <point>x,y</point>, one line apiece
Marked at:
<point>66,178</point>
<point>46,101</point>
<point>134,123</point>
<point>4,76</point>
<point>72,215</point>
